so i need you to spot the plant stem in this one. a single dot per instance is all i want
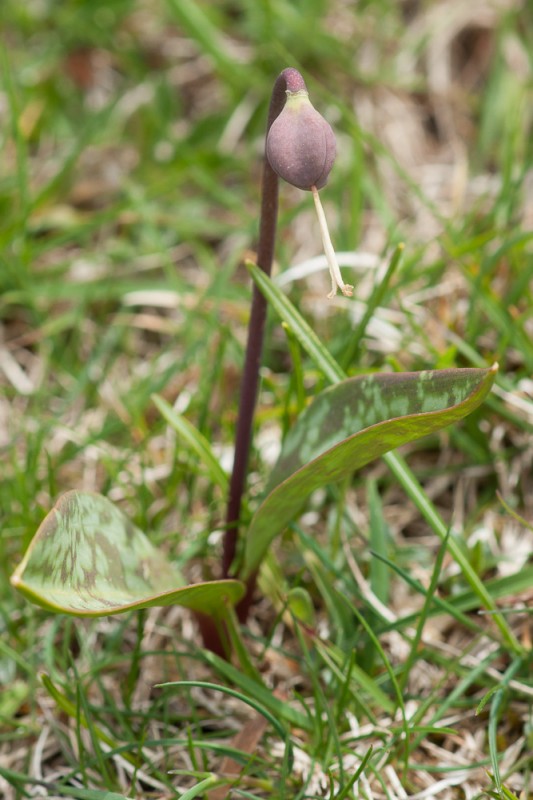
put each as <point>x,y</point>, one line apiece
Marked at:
<point>252,363</point>
<point>289,80</point>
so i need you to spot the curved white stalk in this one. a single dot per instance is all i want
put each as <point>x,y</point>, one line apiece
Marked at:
<point>334,269</point>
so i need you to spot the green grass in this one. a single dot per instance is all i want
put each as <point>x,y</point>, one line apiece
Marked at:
<point>129,189</point>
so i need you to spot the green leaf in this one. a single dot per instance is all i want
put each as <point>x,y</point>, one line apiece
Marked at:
<point>88,559</point>
<point>195,440</point>
<point>334,373</point>
<point>200,788</point>
<point>350,424</point>
<point>301,606</point>
<point>297,325</point>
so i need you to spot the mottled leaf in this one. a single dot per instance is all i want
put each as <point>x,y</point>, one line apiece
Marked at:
<point>88,559</point>
<point>350,424</point>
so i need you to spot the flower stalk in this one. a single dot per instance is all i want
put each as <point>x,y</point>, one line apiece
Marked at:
<point>289,80</point>
<point>300,148</point>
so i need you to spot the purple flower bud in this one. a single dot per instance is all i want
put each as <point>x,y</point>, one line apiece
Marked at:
<point>300,144</point>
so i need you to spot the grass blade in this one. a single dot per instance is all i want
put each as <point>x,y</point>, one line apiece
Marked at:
<point>195,440</point>
<point>334,373</point>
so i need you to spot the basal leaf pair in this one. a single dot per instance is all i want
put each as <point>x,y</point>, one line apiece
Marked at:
<point>88,559</point>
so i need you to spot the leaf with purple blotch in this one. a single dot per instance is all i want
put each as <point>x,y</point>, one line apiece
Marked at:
<point>350,424</point>
<point>88,559</point>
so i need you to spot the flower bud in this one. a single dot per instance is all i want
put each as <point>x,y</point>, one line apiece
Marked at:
<point>300,144</point>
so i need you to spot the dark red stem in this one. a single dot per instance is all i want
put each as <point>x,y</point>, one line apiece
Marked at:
<point>289,80</point>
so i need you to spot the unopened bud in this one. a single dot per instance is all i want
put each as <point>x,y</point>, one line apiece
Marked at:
<point>300,144</point>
